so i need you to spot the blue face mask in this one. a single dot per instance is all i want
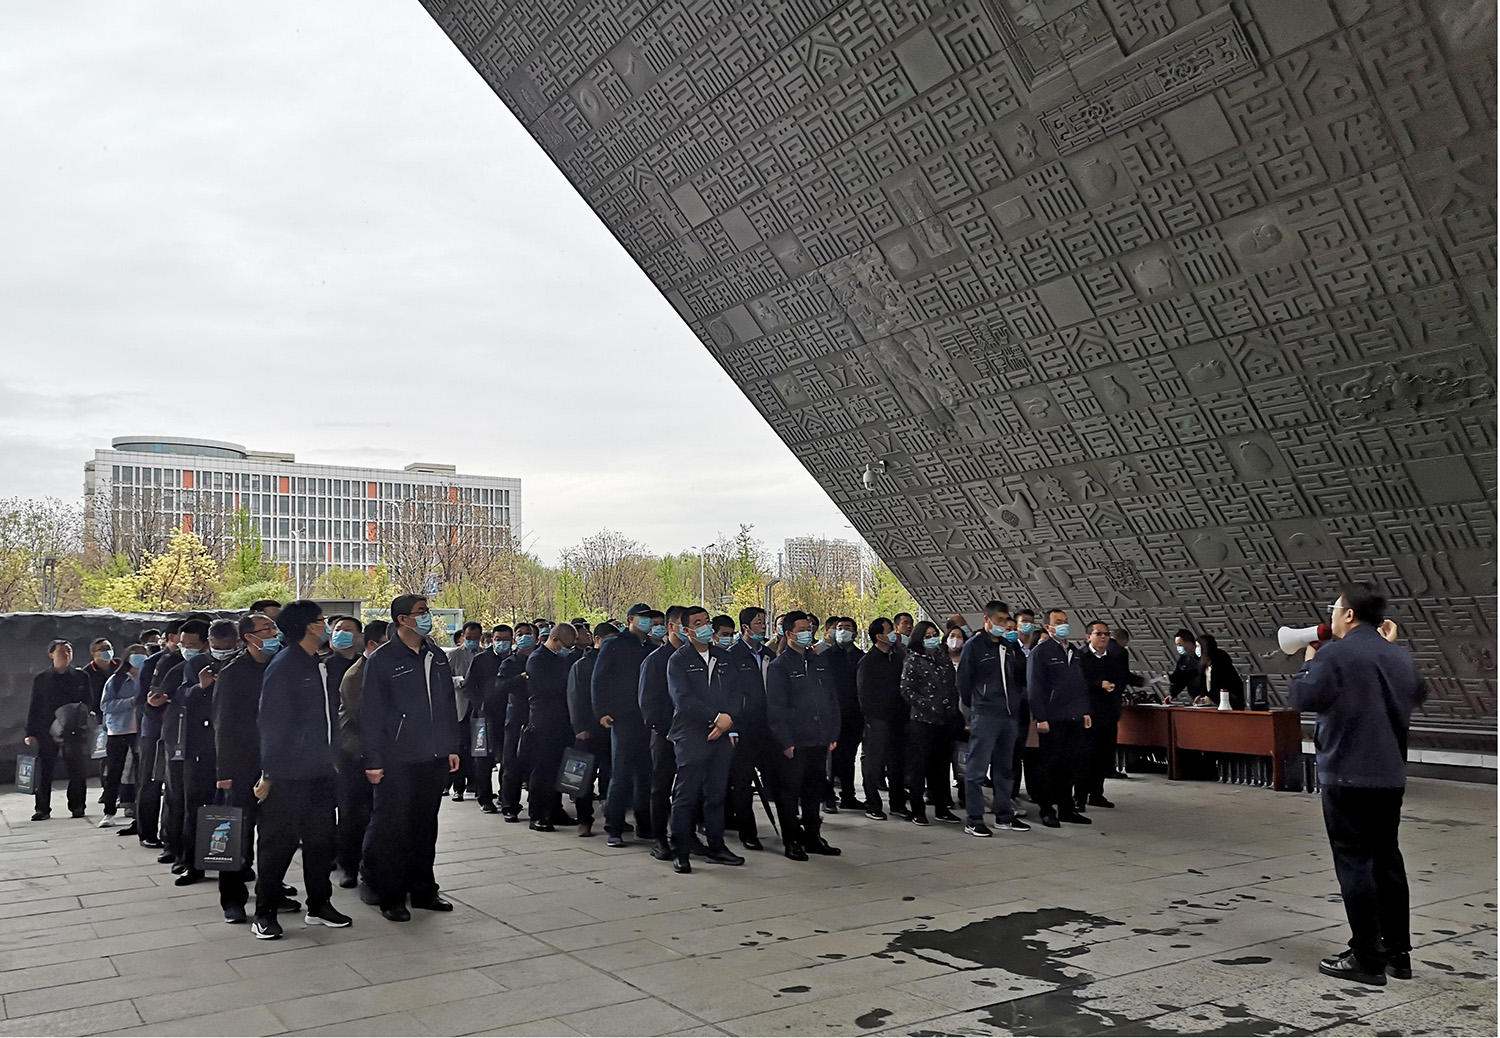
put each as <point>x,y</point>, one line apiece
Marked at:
<point>526,641</point>
<point>845,637</point>
<point>272,645</point>
<point>136,659</point>
<point>544,633</point>
<point>324,638</point>
<point>501,647</point>
<point>341,639</point>
<point>704,634</point>
<point>643,624</point>
<point>471,645</point>
<point>725,641</point>
<point>968,633</point>
<point>424,623</point>
<point>188,654</point>
<point>932,644</point>
<point>1025,626</point>
<point>758,639</point>
<point>1181,650</point>
<point>107,656</point>
<point>1061,632</point>
<point>897,638</point>
<point>566,650</point>
<point>659,631</point>
<point>1012,636</point>
<point>804,638</point>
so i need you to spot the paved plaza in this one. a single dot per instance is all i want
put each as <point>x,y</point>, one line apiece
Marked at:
<point>1194,908</point>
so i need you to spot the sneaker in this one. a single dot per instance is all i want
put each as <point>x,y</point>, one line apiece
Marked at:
<point>234,914</point>
<point>511,816</point>
<point>946,816</point>
<point>265,928</point>
<point>1100,801</point>
<point>1050,821</point>
<point>613,840</point>
<point>130,830</point>
<point>876,814</point>
<point>977,829</point>
<point>1014,826</point>
<point>326,916</point>
<point>349,881</point>
<point>1399,968</point>
<point>1076,818</point>
<point>78,813</point>
<point>830,807</point>
<point>920,819</point>
<point>107,822</point>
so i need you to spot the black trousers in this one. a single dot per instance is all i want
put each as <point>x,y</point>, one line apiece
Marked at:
<point>171,827</point>
<point>460,780</point>
<point>1101,756</point>
<point>885,757</point>
<point>234,887</point>
<point>841,760</point>
<point>929,766</point>
<point>799,794</point>
<point>356,798</point>
<point>73,754</point>
<point>751,754</point>
<point>401,840</point>
<point>515,766</point>
<point>148,787</point>
<point>702,783</point>
<point>597,744</point>
<point>547,742</point>
<point>629,779</point>
<point>663,774</point>
<point>199,780</point>
<point>1362,825</point>
<point>116,749</point>
<point>297,812</point>
<point>1063,754</point>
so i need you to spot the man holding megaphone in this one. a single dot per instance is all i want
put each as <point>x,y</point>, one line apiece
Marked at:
<point>1363,688</point>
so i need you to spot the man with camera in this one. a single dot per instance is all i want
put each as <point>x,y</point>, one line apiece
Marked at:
<point>1364,689</point>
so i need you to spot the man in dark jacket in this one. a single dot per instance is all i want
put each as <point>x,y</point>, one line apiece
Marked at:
<point>753,748</point>
<point>803,711</point>
<point>991,675</point>
<point>1060,703</point>
<point>484,670</point>
<point>878,682</point>
<point>842,658</point>
<point>408,732</point>
<point>702,692</point>
<point>615,688</point>
<point>199,769</point>
<point>102,666</point>
<point>194,651</point>
<point>53,691</point>
<point>1106,670</point>
<point>589,736</point>
<point>296,787</point>
<point>356,795</point>
<point>548,728</point>
<point>1364,689</point>
<point>236,730</point>
<point>149,707</point>
<point>509,700</point>
<point>656,711</point>
<point>1187,675</point>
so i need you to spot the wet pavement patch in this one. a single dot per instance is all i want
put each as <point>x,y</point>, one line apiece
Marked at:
<point>874,1018</point>
<point>1245,960</point>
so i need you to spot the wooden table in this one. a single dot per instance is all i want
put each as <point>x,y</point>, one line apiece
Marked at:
<point>1252,733</point>
<point>1146,726</point>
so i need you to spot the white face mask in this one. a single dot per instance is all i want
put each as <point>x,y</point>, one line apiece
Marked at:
<point>955,643</point>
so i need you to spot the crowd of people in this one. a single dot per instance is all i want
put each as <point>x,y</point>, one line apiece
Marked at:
<point>341,738</point>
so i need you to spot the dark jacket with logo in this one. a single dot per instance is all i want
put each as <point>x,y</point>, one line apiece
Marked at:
<point>616,682</point>
<point>406,711</point>
<point>236,719</point>
<point>1364,689</point>
<point>750,686</point>
<point>547,689</point>
<point>699,697</point>
<point>991,676</point>
<point>928,686</point>
<point>1055,685</point>
<point>296,724</point>
<point>652,695</point>
<point>802,707</point>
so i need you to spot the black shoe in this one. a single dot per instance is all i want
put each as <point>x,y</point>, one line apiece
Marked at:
<point>830,807</point>
<point>818,845</point>
<point>627,828</point>
<point>166,858</point>
<point>1075,818</point>
<point>1347,967</point>
<point>179,868</point>
<point>661,852</point>
<point>875,813</point>
<point>489,809</point>
<point>432,903</point>
<point>396,913</point>
<point>902,813</point>
<point>852,805</point>
<point>510,816</point>
<point>1015,825</point>
<point>795,852</point>
<point>1399,968</point>
<point>78,813</point>
<point>41,816</point>
<point>1079,806</point>
<point>326,916</point>
<point>977,829</point>
<point>289,905</point>
<point>1050,820</point>
<point>1117,775</point>
<point>367,896</point>
<point>188,878</point>
<point>946,816</point>
<point>682,865</point>
<point>150,844</point>
<point>697,847</point>
<point>266,928</point>
<point>542,827</point>
<point>919,818</point>
<point>287,890</point>
<point>349,882</point>
<point>585,828</point>
<point>234,914</point>
<point>752,843</point>
<point>130,830</point>
<point>724,856</point>
<point>1099,801</point>
<point>614,840</point>
<point>458,798</point>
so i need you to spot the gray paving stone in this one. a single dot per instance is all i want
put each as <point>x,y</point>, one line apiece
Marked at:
<point>377,999</point>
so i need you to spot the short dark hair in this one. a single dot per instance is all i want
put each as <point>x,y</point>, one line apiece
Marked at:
<point>1367,603</point>
<point>1096,623</point>
<point>690,610</point>
<point>877,627</point>
<point>51,648</point>
<point>359,625</point>
<point>260,604</point>
<point>148,634</point>
<point>198,627</point>
<point>789,620</point>
<point>657,614</point>
<point>674,614</point>
<point>200,616</point>
<point>95,643</point>
<point>1024,611</point>
<point>994,607</point>
<point>897,618</point>
<point>1055,609</point>
<point>404,604</point>
<point>295,618</point>
<point>248,621</point>
<point>749,613</point>
<point>1185,634</point>
<point>174,627</point>
<point>501,627</point>
<point>605,630</point>
<point>472,625</point>
<point>721,621</point>
<point>1121,632</point>
<point>223,629</point>
<point>376,630</point>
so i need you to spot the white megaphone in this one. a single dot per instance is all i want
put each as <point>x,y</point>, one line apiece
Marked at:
<point>1295,639</point>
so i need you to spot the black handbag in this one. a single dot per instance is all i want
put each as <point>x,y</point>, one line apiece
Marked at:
<point>575,775</point>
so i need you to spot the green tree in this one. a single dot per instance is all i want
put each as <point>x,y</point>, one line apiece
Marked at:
<point>184,575</point>
<point>247,563</point>
<point>242,596</point>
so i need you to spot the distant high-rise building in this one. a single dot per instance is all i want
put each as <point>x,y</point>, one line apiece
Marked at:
<point>830,561</point>
<point>311,517</point>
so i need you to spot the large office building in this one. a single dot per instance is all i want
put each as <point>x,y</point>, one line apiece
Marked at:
<point>311,517</point>
<point>823,558</point>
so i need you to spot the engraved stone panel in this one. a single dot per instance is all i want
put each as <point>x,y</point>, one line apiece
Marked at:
<point>1177,312</point>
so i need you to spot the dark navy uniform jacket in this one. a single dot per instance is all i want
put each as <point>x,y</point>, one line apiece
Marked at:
<point>698,697</point>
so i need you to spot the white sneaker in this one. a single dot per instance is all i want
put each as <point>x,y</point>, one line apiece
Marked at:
<point>107,822</point>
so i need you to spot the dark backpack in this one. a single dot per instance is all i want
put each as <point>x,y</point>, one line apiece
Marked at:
<point>71,723</point>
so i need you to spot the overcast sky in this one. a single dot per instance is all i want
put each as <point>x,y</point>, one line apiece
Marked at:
<point>312,228</point>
